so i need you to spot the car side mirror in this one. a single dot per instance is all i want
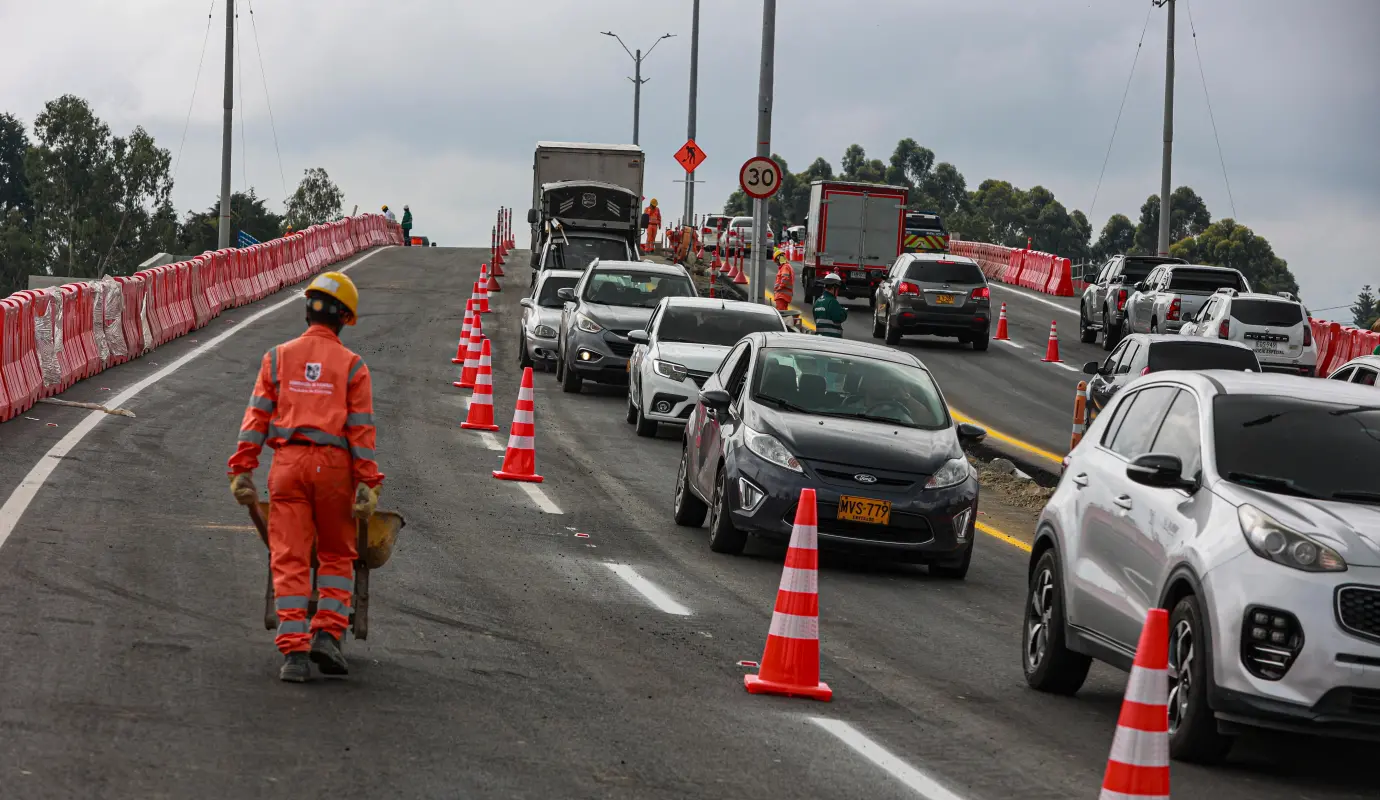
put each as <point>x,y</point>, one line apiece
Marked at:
<point>1092,368</point>
<point>531,216</point>
<point>716,400</point>
<point>526,302</point>
<point>567,294</point>
<point>1160,470</point>
<point>638,337</point>
<point>969,433</point>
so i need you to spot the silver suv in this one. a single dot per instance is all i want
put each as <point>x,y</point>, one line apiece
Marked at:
<point>1247,505</point>
<point>1173,293</point>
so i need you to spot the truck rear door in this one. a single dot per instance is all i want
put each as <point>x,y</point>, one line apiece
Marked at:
<point>881,241</point>
<point>841,234</point>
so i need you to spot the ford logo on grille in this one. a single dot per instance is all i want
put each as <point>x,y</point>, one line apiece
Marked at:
<point>863,477</point>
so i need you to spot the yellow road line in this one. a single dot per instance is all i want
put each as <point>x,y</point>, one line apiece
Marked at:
<point>996,534</point>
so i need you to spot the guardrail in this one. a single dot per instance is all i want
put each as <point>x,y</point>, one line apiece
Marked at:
<point>52,338</point>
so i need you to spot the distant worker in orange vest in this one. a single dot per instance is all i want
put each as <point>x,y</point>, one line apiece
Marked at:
<point>653,225</point>
<point>784,289</point>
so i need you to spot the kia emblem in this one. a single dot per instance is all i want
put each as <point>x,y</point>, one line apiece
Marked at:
<point>863,477</point>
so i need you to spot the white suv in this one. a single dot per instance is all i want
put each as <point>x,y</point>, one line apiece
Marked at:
<point>1274,325</point>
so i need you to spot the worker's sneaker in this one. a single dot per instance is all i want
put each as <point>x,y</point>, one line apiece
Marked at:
<point>296,668</point>
<point>326,655</point>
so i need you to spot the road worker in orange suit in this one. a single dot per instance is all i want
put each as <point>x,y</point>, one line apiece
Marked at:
<point>313,404</point>
<point>784,288</point>
<point>653,225</point>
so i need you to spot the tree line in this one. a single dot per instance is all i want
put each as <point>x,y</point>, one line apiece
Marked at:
<point>78,201</point>
<point>1002,213</point>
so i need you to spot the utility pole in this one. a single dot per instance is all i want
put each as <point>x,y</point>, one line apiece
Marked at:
<point>689,218</point>
<point>1168,131</point>
<point>223,238</point>
<point>637,80</point>
<point>765,85</point>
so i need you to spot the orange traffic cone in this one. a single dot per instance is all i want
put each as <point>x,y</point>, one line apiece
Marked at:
<point>481,416</point>
<point>790,664</point>
<point>1001,326</point>
<point>472,356</point>
<point>1138,765</point>
<point>1080,414</point>
<point>1052,349</point>
<point>493,279</point>
<point>520,460</point>
<point>482,289</point>
<point>463,346</point>
<point>738,276</point>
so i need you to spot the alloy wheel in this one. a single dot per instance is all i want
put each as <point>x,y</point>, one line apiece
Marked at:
<point>1038,617</point>
<point>1181,687</point>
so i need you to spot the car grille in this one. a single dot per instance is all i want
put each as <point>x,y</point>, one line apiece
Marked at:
<point>620,349</point>
<point>905,527</point>
<point>698,377</point>
<point>1358,611</point>
<point>846,478</point>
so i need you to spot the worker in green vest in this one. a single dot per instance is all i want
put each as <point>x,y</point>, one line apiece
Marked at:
<point>829,312</point>
<point>407,226</point>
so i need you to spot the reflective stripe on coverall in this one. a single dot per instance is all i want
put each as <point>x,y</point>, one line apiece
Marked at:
<point>312,403</point>
<point>829,315</point>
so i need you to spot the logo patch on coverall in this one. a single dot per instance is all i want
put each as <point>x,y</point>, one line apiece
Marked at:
<point>313,372</point>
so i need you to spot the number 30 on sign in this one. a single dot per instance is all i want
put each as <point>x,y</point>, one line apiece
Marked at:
<point>760,178</point>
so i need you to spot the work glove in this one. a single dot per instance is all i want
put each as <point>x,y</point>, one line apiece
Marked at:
<point>366,500</point>
<point>242,487</point>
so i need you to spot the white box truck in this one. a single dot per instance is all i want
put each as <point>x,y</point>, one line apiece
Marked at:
<point>554,162</point>
<point>856,230</point>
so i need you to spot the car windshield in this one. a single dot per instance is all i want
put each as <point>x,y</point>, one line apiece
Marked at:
<point>718,326</point>
<point>1299,446</point>
<point>1204,280</point>
<point>850,386</point>
<point>742,223</point>
<point>1201,355</point>
<point>552,285</point>
<point>1270,313</point>
<point>579,253</point>
<point>617,287</point>
<point>944,272</point>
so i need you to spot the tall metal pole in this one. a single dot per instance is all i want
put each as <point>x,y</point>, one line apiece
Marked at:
<point>1168,134</point>
<point>689,218</point>
<point>223,237</point>
<point>765,86</point>
<point>637,95</point>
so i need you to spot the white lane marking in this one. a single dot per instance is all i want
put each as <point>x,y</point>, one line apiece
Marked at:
<point>649,590</point>
<point>1036,298</point>
<point>539,497</point>
<point>490,441</point>
<point>913,778</point>
<point>1010,343</point>
<point>27,490</point>
<point>1062,365</point>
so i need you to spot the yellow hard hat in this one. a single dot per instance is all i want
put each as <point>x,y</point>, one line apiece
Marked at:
<point>653,202</point>
<point>385,208</point>
<point>778,254</point>
<point>339,286</point>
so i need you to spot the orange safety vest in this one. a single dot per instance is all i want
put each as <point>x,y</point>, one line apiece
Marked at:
<point>785,282</point>
<point>311,390</point>
<point>654,217</point>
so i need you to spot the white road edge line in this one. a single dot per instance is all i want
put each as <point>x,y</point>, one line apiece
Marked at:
<point>1036,298</point>
<point>490,441</point>
<point>13,509</point>
<point>1010,343</point>
<point>647,589</point>
<point>913,778</point>
<point>539,497</point>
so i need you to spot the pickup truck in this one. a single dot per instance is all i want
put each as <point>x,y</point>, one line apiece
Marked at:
<point>1173,293</point>
<point>1104,301</point>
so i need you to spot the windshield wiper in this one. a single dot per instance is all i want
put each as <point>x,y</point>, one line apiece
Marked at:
<point>1272,483</point>
<point>784,404</point>
<point>1357,495</point>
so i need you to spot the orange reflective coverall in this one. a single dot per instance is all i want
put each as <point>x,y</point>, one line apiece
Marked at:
<point>784,289</point>
<point>653,225</point>
<point>313,404</point>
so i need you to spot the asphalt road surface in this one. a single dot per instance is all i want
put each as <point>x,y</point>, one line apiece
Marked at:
<point>564,640</point>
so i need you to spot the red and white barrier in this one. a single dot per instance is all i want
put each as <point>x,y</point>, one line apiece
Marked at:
<point>1042,272</point>
<point>51,339</point>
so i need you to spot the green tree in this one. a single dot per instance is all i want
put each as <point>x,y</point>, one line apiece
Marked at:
<point>1365,311</point>
<point>1227,243</point>
<point>72,180</point>
<point>316,201</point>
<point>910,164</point>
<point>143,184</point>
<point>14,146</point>
<point>738,204</point>
<point>1003,208</point>
<point>942,190</point>
<point>18,256</point>
<point>820,170</point>
<point>1118,236</point>
<point>1188,216</point>
<point>200,229</point>
<point>854,159</point>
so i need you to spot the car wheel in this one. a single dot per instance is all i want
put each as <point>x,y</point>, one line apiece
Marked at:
<point>570,382</point>
<point>723,536</point>
<point>645,427</point>
<point>1108,339</point>
<point>872,301</point>
<point>1086,334</point>
<point>955,570</point>
<point>1049,665</point>
<point>893,333</point>
<point>1154,326</point>
<point>983,341</point>
<point>807,289</point>
<point>1193,734</point>
<point>878,327</point>
<point>631,416</point>
<point>524,358</point>
<point>688,510</point>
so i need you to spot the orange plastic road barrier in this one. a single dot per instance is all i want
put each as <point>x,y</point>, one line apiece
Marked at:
<point>790,663</point>
<point>1138,765</point>
<point>463,346</point>
<point>481,416</point>
<point>520,459</point>
<point>1052,349</point>
<point>1001,325</point>
<point>472,356</point>
<point>1080,414</point>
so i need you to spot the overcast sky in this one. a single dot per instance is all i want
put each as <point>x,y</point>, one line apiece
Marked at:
<point>437,103</point>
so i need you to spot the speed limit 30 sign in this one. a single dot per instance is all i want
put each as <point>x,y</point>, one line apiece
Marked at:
<point>760,178</point>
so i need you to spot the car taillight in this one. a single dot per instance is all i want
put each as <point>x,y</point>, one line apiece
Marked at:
<point>982,293</point>
<point>905,287</point>
<point>1121,300</point>
<point>1174,308</point>
<point>1224,330</point>
<point>1307,334</point>
<point>1145,371</point>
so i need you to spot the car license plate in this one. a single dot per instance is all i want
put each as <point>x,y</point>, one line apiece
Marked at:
<point>857,273</point>
<point>863,509</point>
<point>944,299</point>
<point>1268,347</point>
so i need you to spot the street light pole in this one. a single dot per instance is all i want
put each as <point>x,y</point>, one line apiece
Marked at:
<point>637,80</point>
<point>694,96</point>
<point>223,233</point>
<point>1165,209</point>
<point>765,88</point>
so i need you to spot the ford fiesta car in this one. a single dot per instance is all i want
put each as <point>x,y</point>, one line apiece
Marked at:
<point>864,425</point>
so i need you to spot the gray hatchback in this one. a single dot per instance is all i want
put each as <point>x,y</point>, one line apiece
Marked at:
<point>937,294</point>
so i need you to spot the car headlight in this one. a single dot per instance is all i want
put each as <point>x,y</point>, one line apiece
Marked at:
<point>769,448</point>
<point>954,472</point>
<point>587,324</point>
<point>1271,540</point>
<point>670,369</point>
<point>545,332</point>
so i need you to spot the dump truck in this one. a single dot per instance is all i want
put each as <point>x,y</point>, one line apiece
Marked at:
<point>855,230</point>
<point>555,162</point>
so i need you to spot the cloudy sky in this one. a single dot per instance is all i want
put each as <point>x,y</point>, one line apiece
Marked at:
<point>437,103</point>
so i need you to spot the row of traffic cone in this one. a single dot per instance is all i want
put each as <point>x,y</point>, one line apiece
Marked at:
<point>730,267</point>
<point>1051,347</point>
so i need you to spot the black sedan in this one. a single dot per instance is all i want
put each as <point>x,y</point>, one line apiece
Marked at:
<point>1143,353</point>
<point>864,425</point>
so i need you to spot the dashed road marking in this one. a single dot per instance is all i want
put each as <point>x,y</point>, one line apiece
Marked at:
<point>1062,365</point>
<point>916,780</point>
<point>539,497</point>
<point>1010,343</point>
<point>490,441</point>
<point>649,590</point>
